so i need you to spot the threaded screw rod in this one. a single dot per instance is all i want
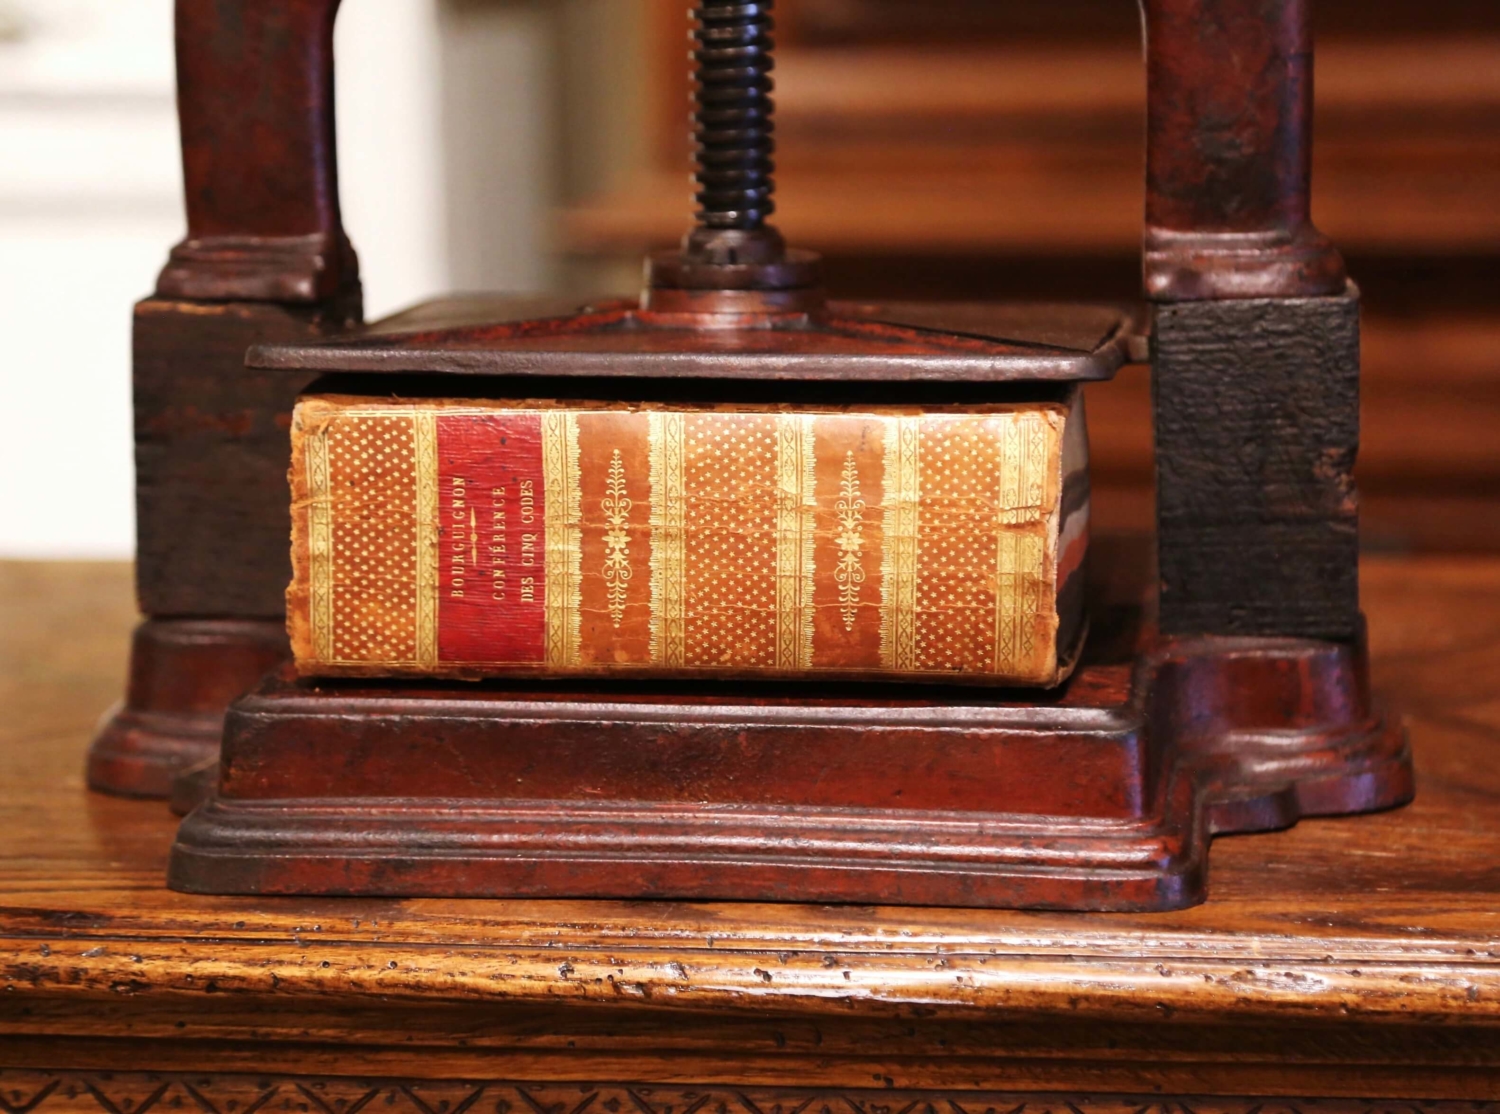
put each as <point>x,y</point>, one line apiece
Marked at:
<point>732,114</point>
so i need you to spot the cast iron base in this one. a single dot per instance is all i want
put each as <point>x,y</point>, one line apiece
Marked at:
<point>1101,796</point>
<point>183,674</point>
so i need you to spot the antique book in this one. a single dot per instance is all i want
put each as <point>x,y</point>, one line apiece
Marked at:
<point>468,538</point>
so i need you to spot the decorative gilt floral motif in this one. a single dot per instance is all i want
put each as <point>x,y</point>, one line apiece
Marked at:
<point>616,507</point>
<point>849,574</point>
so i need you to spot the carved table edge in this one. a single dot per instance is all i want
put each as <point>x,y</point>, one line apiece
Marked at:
<point>24,1091</point>
<point>962,979</point>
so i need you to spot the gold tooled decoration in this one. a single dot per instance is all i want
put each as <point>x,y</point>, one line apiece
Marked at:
<point>616,507</point>
<point>424,439</point>
<point>319,545</point>
<point>562,488</point>
<point>849,574</point>
<point>796,472</point>
<point>1019,555</point>
<point>902,484</point>
<point>668,541</point>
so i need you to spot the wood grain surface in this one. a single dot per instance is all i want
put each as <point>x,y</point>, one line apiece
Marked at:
<point>1255,408</point>
<point>1344,957</point>
<point>211,455</point>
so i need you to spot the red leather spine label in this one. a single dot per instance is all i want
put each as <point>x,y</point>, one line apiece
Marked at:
<point>491,538</point>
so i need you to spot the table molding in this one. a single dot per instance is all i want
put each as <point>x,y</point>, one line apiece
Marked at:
<point>69,1092</point>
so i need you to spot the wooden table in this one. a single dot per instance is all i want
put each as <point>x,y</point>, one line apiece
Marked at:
<point>1342,961</point>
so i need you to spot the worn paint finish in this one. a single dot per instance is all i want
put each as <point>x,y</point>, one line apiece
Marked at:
<point>1228,153</point>
<point>255,102</point>
<point>1099,797</point>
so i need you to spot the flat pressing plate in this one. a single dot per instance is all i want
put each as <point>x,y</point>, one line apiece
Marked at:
<point>893,341</point>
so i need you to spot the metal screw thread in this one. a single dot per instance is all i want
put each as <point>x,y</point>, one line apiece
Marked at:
<point>732,114</point>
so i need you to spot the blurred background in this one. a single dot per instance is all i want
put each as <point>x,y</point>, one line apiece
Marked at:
<point>930,148</point>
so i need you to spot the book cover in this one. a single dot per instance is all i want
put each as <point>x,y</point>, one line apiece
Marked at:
<point>470,538</point>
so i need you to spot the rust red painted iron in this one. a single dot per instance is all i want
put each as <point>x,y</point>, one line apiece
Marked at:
<point>255,101</point>
<point>183,674</point>
<point>645,790</point>
<point>1229,153</point>
<point>1102,795</point>
<point>726,340</point>
<point>265,258</point>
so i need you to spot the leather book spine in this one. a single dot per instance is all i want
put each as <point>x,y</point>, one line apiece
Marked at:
<point>470,539</point>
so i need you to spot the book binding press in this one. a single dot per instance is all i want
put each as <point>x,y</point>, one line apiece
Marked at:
<point>1223,690</point>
